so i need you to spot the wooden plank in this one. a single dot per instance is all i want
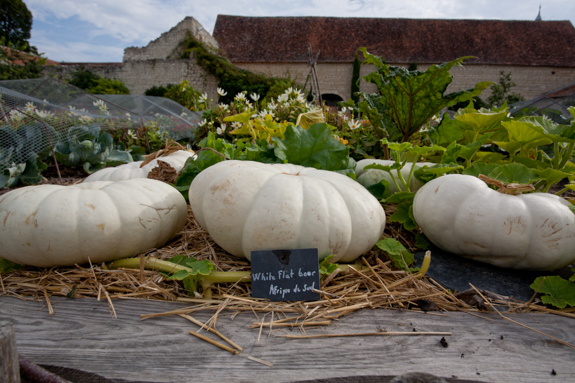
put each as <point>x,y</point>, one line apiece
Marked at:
<point>9,367</point>
<point>82,335</point>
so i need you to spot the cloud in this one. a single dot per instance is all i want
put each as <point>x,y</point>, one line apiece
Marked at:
<point>78,51</point>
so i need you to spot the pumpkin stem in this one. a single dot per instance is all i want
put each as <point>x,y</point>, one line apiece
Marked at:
<point>511,189</point>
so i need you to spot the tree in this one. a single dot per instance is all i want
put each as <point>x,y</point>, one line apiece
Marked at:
<point>501,92</point>
<point>19,60</point>
<point>15,25</point>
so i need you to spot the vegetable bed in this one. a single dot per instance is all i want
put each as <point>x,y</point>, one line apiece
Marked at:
<point>369,283</point>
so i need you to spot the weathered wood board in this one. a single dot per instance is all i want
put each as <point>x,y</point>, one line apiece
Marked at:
<point>82,335</point>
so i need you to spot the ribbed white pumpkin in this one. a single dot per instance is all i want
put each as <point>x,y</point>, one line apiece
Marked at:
<point>370,177</point>
<point>53,225</point>
<point>247,206</point>
<point>133,170</point>
<point>462,215</point>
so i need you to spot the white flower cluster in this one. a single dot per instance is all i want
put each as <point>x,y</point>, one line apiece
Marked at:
<point>101,105</point>
<point>291,94</point>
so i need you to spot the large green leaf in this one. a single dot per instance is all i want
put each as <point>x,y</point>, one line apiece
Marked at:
<point>118,157</point>
<point>427,174</point>
<point>513,173</point>
<point>315,147</point>
<point>449,131</point>
<point>557,291</point>
<point>32,175</point>
<point>398,254</point>
<point>11,176</point>
<point>482,121</point>
<point>480,168</point>
<point>526,134</point>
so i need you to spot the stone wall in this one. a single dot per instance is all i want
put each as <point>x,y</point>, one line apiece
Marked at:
<point>63,71</point>
<point>164,46</point>
<point>139,75</point>
<point>154,64</point>
<point>335,78</point>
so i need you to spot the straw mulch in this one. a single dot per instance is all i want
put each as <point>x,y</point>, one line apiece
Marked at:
<point>372,283</point>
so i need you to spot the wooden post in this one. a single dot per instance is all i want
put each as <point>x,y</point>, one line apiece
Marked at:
<point>9,364</point>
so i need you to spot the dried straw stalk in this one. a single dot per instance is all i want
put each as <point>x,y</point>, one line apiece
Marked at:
<point>375,286</point>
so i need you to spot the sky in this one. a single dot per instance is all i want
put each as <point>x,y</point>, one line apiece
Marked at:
<point>99,30</point>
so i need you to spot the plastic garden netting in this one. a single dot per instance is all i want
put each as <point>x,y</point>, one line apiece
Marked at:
<point>49,117</point>
<point>554,105</point>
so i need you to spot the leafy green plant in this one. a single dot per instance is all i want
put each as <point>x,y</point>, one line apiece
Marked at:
<point>194,271</point>
<point>231,78</point>
<point>399,255</point>
<point>258,128</point>
<point>28,173</point>
<point>85,79</point>
<point>406,100</point>
<point>187,269</point>
<point>556,291</point>
<point>326,267</point>
<point>7,266</point>
<point>501,92</point>
<point>315,147</point>
<point>87,147</point>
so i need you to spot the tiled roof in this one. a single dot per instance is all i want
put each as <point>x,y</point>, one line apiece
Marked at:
<point>497,42</point>
<point>19,57</point>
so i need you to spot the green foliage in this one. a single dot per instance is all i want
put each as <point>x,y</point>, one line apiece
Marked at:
<point>557,291</point>
<point>194,269</point>
<point>326,267</point>
<point>109,86</point>
<point>404,212</point>
<point>315,147</point>
<point>95,84</point>
<point>231,78</point>
<point>83,78</point>
<point>184,95</point>
<point>399,255</point>
<point>85,146</point>
<point>406,100</point>
<point>7,267</point>
<point>15,23</point>
<point>159,91</point>
<point>32,67</point>
<point>501,92</point>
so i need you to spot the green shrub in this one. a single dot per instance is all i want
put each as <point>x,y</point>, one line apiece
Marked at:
<point>95,84</point>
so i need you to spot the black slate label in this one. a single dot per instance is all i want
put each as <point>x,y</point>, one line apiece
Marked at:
<point>285,275</point>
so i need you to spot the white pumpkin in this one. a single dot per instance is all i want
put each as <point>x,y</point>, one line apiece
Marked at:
<point>53,225</point>
<point>247,206</point>
<point>462,215</point>
<point>370,177</point>
<point>133,170</point>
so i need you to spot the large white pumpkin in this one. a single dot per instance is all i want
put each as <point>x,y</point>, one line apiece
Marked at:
<point>247,206</point>
<point>462,215</point>
<point>53,225</point>
<point>133,170</point>
<point>368,177</point>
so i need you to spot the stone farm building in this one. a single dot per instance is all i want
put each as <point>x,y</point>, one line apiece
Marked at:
<point>539,54</point>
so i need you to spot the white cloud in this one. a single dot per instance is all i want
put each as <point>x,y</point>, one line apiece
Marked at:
<point>78,51</point>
